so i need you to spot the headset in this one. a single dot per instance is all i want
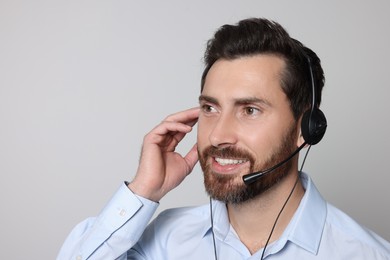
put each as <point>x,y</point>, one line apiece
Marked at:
<point>314,124</point>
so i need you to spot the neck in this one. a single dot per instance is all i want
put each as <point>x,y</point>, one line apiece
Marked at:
<point>253,220</point>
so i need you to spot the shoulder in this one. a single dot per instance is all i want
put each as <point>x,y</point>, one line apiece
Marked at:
<point>180,223</point>
<point>185,216</point>
<point>170,229</point>
<point>348,235</point>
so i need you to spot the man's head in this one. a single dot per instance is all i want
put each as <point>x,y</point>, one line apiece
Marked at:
<point>255,87</point>
<point>260,36</point>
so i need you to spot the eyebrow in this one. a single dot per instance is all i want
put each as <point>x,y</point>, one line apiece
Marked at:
<point>237,101</point>
<point>205,98</point>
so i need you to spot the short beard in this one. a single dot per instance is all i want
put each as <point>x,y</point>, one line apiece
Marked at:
<point>231,189</point>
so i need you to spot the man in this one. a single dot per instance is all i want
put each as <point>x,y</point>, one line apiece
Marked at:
<point>257,85</point>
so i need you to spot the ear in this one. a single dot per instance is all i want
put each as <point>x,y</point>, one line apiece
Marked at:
<point>300,139</point>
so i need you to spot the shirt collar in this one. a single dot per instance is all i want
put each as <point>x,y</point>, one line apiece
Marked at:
<point>220,220</point>
<point>305,228</point>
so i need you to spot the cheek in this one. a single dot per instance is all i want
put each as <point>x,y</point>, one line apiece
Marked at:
<point>260,141</point>
<point>202,132</point>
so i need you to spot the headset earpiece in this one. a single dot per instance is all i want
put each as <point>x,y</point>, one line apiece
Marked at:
<point>313,126</point>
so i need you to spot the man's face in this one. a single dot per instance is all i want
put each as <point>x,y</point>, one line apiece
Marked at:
<point>245,125</point>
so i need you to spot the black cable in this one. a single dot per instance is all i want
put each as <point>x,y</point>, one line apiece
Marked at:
<point>285,203</point>
<point>212,229</point>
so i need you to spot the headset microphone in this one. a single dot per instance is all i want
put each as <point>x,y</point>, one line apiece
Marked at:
<point>252,177</point>
<point>313,127</point>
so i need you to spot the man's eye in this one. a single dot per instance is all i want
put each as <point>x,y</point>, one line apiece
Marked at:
<point>208,109</point>
<point>251,110</point>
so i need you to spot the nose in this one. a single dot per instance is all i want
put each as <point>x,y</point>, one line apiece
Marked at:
<point>223,131</point>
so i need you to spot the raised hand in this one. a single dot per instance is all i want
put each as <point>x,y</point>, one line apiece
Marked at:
<point>161,169</point>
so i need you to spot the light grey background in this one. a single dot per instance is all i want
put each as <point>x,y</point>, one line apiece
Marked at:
<point>82,81</point>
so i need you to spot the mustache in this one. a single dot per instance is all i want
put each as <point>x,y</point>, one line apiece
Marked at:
<point>227,152</point>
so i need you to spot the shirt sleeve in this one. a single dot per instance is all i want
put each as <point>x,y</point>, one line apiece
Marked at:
<point>114,231</point>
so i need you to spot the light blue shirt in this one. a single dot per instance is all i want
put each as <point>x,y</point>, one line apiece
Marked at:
<point>121,231</point>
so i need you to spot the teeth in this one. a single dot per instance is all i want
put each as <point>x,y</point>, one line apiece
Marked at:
<point>224,162</point>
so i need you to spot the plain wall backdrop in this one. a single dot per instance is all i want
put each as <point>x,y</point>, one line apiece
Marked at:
<point>82,81</point>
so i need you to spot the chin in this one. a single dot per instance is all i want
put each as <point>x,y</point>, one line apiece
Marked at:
<point>232,189</point>
<point>226,188</point>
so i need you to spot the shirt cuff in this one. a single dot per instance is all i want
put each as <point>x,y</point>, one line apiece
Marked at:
<point>120,224</point>
<point>125,205</point>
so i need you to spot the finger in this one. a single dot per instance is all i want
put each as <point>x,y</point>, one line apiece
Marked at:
<point>168,131</point>
<point>191,158</point>
<point>189,116</point>
<point>172,128</point>
<point>192,123</point>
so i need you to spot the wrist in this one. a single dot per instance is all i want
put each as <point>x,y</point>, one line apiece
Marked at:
<point>142,191</point>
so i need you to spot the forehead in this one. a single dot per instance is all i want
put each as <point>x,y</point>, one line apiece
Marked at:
<point>253,76</point>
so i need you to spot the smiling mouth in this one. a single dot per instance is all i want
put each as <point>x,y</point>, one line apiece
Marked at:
<point>225,161</point>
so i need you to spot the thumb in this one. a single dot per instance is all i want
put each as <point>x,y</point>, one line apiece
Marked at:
<point>191,158</point>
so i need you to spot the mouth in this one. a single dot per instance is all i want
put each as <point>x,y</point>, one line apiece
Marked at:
<point>227,161</point>
<point>229,165</point>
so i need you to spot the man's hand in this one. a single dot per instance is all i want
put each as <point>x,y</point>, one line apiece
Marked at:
<point>161,169</point>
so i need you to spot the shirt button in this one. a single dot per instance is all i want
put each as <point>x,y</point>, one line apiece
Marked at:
<point>122,212</point>
<point>79,257</point>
